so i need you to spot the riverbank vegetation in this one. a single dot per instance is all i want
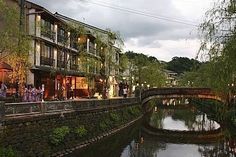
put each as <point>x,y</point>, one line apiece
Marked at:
<point>45,137</point>
<point>218,38</point>
<point>8,152</point>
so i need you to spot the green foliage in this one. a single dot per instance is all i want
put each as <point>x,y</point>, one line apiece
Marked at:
<point>214,109</point>
<point>124,62</point>
<point>10,21</point>
<point>59,134</point>
<point>156,119</point>
<point>8,152</point>
<point>218,44</point>
<point>81,131</point>
<point>197,77</point>
<point>145,70</point>
<point>103,126</point>
<point>14,43</point>
<point>115,117</point>
<point>153,75</point>
<point>134,111</point>
<point>182,64</point>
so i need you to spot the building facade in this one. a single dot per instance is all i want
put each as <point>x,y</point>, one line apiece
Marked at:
<point>67,56</point>
<point>171,78</point>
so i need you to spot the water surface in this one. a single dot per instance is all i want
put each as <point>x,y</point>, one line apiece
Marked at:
<point>133,142</point>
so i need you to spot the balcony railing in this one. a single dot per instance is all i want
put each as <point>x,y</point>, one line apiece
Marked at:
<point>61,64</point>
<point>74,45</point>
<point>91,69</point>
<point>98,52</point>
<point>74,67</point>
<point>61,39</point>
<point>82,47</point>
<point>46,61</point>
<point>48,34</point>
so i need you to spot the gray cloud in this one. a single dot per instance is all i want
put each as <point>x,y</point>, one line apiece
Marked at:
<point>130,25</point>
<point>149,42</point>
<point>140,31</point>
<point>69,7</point>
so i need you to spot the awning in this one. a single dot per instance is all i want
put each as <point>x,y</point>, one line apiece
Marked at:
<point>5,66</point>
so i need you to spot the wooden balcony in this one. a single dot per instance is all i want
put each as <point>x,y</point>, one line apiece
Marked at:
<point>74,67</point>
<point>46,61</point>
<point>48,34</point>
<point>61,64</point>
<point>62,39</point>
<point>74,45</point>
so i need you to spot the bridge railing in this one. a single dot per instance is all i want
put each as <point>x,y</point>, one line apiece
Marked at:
<point>202,93</point>
<point>171,91</point>
<point>29,108</point>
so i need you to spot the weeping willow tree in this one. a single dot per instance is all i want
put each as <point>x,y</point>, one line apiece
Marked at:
<point>218,45</point>
<point>14,43</point>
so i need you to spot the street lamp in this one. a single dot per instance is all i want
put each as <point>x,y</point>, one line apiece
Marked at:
<point>138,91</point>
<point>231,93</point>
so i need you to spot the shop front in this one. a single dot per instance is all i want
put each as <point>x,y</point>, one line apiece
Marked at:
<point>46,81</point>
<point>71,87</point>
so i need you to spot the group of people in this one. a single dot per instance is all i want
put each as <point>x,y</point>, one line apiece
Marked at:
<point>32,94</point>
<point>123,89</point>
<point>69,90</point>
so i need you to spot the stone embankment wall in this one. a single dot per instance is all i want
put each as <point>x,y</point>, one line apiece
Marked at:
<point>58,134</point>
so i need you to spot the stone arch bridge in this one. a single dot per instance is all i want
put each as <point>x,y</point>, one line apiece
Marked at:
<point>203,93</point>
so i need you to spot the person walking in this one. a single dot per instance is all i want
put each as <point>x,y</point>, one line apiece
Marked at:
<point>68,90</point>
<point>26,94</point>
<point>3,89</point>
<point>30,94</point>
<point>34,94</point>
<point>125,92</point>
<point>39,94</point>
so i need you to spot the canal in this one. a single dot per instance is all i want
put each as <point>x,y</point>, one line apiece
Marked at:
<point>136,142</point>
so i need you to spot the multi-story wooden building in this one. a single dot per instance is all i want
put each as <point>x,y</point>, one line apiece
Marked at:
<point>66,51</point>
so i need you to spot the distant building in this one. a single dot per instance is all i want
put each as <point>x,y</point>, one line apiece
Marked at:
<point>171,78</point>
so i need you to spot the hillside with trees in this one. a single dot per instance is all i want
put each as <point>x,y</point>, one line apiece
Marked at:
<point>182,64</point>
<point>142,69</point>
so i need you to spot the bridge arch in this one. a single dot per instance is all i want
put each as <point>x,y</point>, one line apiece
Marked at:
<point>168,93</point>
<point>162,93</point>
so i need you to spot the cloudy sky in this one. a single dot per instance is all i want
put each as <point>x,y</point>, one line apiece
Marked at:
<point>160,28</point>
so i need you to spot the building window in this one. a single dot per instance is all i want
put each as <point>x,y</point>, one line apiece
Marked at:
<point>47,29</point>
<point>61,59</point>
<point>92,48</point>
<point>73,41</point>
<point>46,57</point>
<point>74,65</point>
<point>47,51</point>
<point>61,37</point>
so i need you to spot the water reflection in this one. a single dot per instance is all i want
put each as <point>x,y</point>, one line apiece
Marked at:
<point>133,142</point>
<point>158,148</point>
<point>182,119</point>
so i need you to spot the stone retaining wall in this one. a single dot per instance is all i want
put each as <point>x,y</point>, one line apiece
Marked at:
<point>47,135</point>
